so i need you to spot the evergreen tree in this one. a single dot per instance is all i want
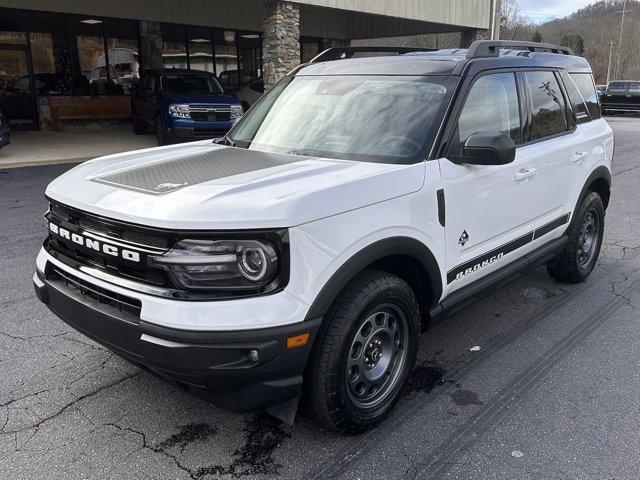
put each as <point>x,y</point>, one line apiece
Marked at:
<point>575,41</point>
<point>537,36</point>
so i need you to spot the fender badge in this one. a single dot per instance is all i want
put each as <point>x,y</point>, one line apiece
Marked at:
<point>464,238</point>
<point>168,186</point>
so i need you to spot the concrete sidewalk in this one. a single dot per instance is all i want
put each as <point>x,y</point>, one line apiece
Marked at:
<point>43,147</point>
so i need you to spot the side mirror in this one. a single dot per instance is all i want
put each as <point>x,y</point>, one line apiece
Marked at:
<point>488,148</point>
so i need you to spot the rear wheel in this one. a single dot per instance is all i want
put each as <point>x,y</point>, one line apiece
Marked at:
<point>580,255</point>
<point>364,354</point>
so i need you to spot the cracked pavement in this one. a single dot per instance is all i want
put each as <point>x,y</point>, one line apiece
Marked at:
<point>551,393</point>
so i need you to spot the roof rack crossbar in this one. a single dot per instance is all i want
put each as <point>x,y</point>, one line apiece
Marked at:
<point>491,48</point>
<point>339,53</point>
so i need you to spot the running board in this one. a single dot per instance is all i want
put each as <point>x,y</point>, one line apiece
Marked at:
<point>483,287</point>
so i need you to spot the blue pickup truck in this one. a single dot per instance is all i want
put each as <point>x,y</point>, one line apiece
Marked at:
<point>180,104</point>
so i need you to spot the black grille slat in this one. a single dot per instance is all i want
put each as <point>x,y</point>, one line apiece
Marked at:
<point>122,303</point>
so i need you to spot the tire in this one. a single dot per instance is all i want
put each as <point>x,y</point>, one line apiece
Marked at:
<point>139,127</point>
<point>579,257</point>
<point>160,135</point>
<point>372,327</point>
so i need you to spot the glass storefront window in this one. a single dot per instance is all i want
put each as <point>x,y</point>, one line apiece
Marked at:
<point>123,53</point>
<point>12,29</point>
<point>226,52</point>
<point>174,46</point>
<point>89,75</point>
<point>250,57</point>
<point>200,49</point>
<point>50,54</point>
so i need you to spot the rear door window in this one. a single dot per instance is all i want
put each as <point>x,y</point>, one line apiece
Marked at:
<point>617,88</point>
<point>634,89</point>
<point>587,88</point>
<point>547,103</point>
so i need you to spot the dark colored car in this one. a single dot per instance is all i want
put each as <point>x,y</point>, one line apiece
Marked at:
<point>621,96</point>
<point>182,105</point>
<point>4,130</point>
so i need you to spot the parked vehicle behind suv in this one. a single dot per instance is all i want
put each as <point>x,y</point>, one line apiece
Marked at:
<point>621,96</point>
<point>181,105</point>
<point>4,130</point>
<point>359,201</point>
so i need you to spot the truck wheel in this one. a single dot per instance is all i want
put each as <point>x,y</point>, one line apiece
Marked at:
<point>580,255</point>
<point>139,127</point>
<point>364,353</point>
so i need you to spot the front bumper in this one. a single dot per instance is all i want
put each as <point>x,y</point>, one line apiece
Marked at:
<point>219,366</point>
<point>188,129</point>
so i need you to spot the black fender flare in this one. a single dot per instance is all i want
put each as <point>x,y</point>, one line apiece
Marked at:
<point>405,246</point>
<point>600,172</point>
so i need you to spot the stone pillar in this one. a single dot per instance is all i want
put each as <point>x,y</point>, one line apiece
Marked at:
<point>151,44</point>
<point>470,35</point>
<point>280,41</point>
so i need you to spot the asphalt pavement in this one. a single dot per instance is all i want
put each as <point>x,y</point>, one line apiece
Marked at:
<point>539,381</point>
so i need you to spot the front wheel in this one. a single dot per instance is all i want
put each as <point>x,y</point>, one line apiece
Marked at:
<point>364,354</point>
<point>580,255</point>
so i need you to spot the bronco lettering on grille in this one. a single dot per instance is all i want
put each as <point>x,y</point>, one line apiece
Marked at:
<point>93,244</point>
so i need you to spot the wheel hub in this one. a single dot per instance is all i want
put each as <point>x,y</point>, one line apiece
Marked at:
<point>588,238</point>
<point>377,356</point>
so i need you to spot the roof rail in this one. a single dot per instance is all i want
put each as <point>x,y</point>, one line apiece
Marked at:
<point>339,53</point>
<point>491,48</point>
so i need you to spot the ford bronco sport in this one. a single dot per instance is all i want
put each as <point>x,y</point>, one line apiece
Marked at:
<point>301,255</point>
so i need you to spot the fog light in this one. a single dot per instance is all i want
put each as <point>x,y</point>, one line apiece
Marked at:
<point>253,356</point>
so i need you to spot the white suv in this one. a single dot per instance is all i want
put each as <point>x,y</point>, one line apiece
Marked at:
<point>361,198</point>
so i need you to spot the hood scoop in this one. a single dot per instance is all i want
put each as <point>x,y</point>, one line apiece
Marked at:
<point>168,176</point>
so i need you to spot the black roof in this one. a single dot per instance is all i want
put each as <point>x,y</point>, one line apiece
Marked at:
<point>483,55</point>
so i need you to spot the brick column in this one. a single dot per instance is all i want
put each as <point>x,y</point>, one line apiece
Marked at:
<point>470,35</point>
<point>151,44</point>
<point>280,41</point>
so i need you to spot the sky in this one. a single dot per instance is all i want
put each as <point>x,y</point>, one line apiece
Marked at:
<point>540,11</point>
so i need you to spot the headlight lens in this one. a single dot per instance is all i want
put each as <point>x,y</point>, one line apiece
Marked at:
<point>179,110</point>
<point>222,265</point>
<point>236,111</point>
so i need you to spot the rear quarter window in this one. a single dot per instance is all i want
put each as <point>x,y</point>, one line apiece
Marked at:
<point>587,88</point>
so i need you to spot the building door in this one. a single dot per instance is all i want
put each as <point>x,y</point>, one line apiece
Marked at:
<point>17,89</point>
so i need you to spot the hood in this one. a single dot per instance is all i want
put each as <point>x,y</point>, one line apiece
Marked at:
<point>171,97</point>
<point>201,185</point>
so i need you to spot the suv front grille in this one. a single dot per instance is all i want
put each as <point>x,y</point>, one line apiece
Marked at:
<point>210,113</point>
<point>98,295</point>
<point>139,238</point>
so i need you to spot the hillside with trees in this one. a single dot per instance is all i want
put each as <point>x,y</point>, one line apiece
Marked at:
<point>588,31</point>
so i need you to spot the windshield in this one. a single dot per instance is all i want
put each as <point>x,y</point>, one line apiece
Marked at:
<point>190,83</point>
<point>391,119</point>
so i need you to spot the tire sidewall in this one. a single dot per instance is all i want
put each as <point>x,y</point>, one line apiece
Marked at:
<point>591,200</point>
<point>401,296</point>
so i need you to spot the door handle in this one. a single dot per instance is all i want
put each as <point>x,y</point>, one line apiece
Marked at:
<point>524,174</point>
<point>579,157</point>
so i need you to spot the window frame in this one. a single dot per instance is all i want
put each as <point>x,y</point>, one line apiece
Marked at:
<point>449,147</point>
<point>586,118</point>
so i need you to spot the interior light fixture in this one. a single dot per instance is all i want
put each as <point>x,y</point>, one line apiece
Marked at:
<point>199,40</point>
<point>91,21</point>
<point>229,36</point>
<point>251,36</point>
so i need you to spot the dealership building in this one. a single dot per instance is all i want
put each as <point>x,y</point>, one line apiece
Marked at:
<point>91,51</point>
